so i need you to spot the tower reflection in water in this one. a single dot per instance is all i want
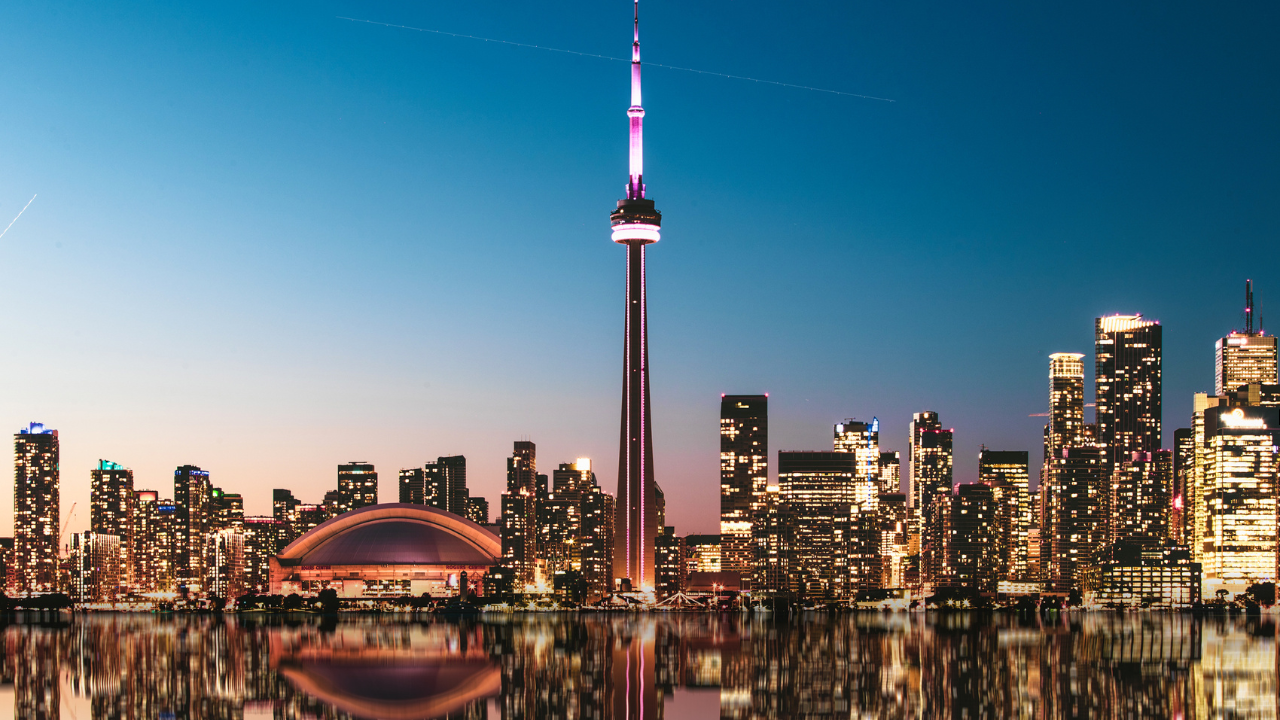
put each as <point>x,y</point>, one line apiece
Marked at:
<point>629,667</point>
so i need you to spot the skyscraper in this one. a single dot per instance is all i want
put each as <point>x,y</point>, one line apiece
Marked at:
<point>1066,402</point>
<point>1241,464</point>
<point>1243,358</point>
<point>478,510</point>
<point>451,485</point>
<point>931,462</point>
<point>149,558</point>
<point>560,520</point>
<point>818,489</point>
<point>1065,429</point>
<point>191,491</point>
<point>1127,382</point>
<point>1184,460</point>
<point>358,483</point>
<point>111,512</point>
<point>35,508</point>
<point>863,440</point>
<point>974,560</point>
<point>744,474</point>
<point>96,572</point>
<point>599,512</point>
<point>226,510</point>
<point>890,471</point>
<point>1141,498</point>
<point>519,512</point>
<point>635,224</point>
<point>1005,472</point>
<point>413,486</point>
<point>774,535</point>
<point>1079,525</point>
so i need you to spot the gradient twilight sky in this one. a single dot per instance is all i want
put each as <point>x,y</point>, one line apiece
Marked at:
<point>268,240</point>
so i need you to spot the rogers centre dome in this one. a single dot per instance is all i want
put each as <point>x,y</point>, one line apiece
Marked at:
<point>385,551</point>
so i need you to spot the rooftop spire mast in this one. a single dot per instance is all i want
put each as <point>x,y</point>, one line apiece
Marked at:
<point>1248,307</point>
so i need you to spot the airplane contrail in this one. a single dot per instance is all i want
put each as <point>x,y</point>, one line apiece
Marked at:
<point>607,57</point>
<point>15,217</point>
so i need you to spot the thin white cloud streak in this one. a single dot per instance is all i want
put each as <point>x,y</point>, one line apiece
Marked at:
<point>15,217</point>
<point>607,57</point>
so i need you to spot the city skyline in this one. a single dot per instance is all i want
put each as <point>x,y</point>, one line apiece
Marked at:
<point>263,383</point>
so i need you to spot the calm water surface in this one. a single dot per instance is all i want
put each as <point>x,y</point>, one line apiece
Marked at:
<point>635,667</point>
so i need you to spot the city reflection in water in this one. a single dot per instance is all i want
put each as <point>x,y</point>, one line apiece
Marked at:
<point>637,667</point>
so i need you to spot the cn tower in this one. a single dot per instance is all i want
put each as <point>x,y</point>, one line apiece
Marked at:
<point>635,224</point>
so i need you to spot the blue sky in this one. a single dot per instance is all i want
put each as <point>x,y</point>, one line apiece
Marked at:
<point>268,240</point>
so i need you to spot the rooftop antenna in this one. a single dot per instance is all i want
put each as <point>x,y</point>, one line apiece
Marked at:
<point>1248,307</point>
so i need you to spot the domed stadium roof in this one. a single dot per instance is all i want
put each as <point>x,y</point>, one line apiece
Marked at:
<point>396,688</point>
<point>395,534</point>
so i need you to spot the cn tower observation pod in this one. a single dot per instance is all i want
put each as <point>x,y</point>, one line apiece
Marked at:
<point>387,550</point>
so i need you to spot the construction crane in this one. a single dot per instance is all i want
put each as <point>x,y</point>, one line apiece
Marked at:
<point>70,514</point>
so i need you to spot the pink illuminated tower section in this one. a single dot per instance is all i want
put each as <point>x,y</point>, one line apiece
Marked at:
<point>635,224</point>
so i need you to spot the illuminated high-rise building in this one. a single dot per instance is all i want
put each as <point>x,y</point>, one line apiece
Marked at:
<point>890,471</point>
<point>930,461</point>
<point>1127,384</point>
<point>744,473</point>
<point>224,563</point>
<point>1184,460</point>
<point>191,496</point>
<point>446,484</point>
<point>413,486</point>
<point>894,539</point>
<point>599,512</point>
<point>307,517</point>
<point>774,535</point>
<point>669,566</point>
<point>519,513</point>
<point>165,526</point>
<point>97,573</point>
<point>111,511</point>
<point>478,510</point>
<point>1077,536</point>
<point>1005,472</point>
<point>1141,498</point>
<point>1065,429</point>
<point>358,483</point>
<point>263,538</point>
<point>35,508</point>
<point>1240,456</point>
<point>818,489</point>
<point>1244,358</point>
<point>635,224</point>
<point>1066,401</point>
<point>284,507</point>
<point>226,510</point>
<point>974,560</point>
<point>148,556</point>
<point>863,440</point>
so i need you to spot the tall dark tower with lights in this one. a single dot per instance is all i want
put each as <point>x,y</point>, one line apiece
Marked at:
<point>635,224</point>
